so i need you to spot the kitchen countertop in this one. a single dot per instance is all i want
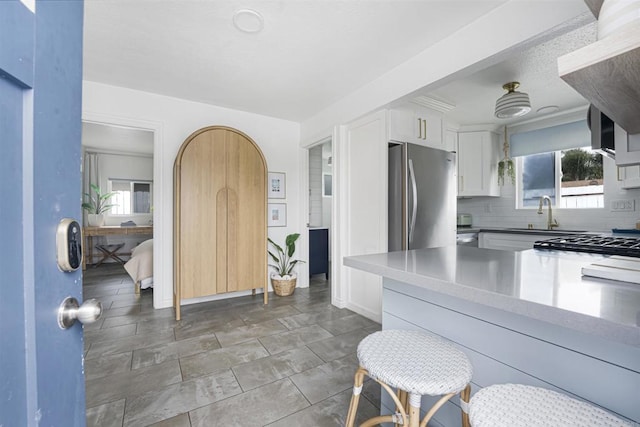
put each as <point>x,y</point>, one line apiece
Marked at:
<point>542,285</point>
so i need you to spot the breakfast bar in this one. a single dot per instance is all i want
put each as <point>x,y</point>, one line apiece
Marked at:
<point>526,317</point>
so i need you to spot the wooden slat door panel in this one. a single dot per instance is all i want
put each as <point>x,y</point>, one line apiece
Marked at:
<point>203,178</point>
<point>246,178</point>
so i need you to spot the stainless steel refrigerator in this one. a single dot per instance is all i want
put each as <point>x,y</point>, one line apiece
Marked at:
<point>422,197</point>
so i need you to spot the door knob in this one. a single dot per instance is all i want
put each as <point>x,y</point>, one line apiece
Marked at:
<point>70,311</point>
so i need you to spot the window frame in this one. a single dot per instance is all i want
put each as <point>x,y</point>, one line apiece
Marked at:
<point>558,182</point>
<point>131,182</point>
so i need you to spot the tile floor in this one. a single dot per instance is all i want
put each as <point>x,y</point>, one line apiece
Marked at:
<point>233,362</point>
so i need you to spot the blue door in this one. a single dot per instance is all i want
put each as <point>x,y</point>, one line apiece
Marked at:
<point>41,377</point>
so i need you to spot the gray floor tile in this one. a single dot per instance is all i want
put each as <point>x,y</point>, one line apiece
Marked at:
<point>158,405</point>
<point>129,343</point>
<point>188,329</point>
<point>255,408</point>
<point>307,319</point>
<point>267,313</point>
<point>173,350</point>
<point>107,365</point>
<point>339,346</point>
<point>110,334</point>
<point>220,359</point>
<point>123,311</point>
<point>347,324</point>
<point>231,336</point>
<point>108,415</point>
<point>292,339</point>
<point>269,369</point>
<point>153,379</point>
<point>327,380</point>
<point>133,383</point>
<point>181,420</point>
<point>330,412</point>
<point>112,322</point>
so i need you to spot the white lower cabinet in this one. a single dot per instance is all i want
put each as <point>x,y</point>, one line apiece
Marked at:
<point>478,156</point>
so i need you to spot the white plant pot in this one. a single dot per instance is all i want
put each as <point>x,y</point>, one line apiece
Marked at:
<point>95,220</point>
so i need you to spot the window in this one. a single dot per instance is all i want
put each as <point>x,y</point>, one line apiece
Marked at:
<point>572,178</point>
<point>131,197</point>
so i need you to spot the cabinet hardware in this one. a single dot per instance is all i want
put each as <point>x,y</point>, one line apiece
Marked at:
<point>419,128</point>
<point>424,133</point>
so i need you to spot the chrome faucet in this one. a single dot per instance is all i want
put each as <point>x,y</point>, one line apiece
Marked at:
<point>550,221</point>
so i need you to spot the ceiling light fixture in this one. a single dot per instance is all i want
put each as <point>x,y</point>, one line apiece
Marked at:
<point>512,103</point>
<point>248,21</point>
<point>548,109</point>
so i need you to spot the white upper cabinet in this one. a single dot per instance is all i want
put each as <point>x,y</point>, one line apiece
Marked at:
<point>478,155</point>
<point>416,125</point>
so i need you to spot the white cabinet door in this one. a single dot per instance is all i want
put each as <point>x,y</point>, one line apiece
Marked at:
<point>478,154</point>
<point>629,176</point>
<point>363,210</point>
<point>417,126</point>
<point>627,147</point>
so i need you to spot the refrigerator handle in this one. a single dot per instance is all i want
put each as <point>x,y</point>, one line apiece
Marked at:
<point>414,208</point>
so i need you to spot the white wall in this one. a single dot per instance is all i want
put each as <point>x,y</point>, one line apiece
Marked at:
<point>174,120</point>
<point>315,186</point>
<point>501,211</point>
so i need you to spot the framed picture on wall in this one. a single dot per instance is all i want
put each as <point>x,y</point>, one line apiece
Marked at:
<point>277,185</point>
<point>277,215</point>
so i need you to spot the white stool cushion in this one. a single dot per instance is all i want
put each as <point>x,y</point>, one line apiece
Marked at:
<point>514,405</point>
<point>415,362</point>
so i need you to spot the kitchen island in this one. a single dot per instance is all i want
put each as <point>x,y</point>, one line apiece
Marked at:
<point>523,317</point>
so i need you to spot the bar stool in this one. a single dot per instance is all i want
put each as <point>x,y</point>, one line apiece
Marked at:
<point>516,405</point>
<point>110,251</point>
<point>416,364</point>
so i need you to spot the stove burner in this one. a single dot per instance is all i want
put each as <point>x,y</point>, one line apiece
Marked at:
<point>605,245</point>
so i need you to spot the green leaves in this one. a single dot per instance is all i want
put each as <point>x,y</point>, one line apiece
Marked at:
<point>283,263</point>
<point>97,203</point>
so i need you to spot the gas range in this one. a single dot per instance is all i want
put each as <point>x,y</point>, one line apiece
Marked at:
<point>605,245</point>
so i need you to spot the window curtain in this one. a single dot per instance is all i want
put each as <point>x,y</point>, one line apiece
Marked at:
<point>91,175</point>
<point>554,138</point>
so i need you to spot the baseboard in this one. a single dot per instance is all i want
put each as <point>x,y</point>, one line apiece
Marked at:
<point>366,312</point>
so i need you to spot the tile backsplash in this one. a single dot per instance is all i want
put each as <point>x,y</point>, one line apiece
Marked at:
<point>501,211</point>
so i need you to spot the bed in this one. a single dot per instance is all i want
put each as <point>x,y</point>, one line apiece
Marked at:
<point>140,266</point>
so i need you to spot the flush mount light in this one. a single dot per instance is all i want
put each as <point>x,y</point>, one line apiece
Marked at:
<point>548,109</point>
<point>512,103</point>
<point>248,21</point>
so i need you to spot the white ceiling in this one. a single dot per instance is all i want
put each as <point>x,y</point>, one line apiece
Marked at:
<point>536,69</point>
<point>116,138</point>
<point>310,54</point>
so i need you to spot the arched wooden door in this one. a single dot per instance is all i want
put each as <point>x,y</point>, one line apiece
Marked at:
<point>220,241</point>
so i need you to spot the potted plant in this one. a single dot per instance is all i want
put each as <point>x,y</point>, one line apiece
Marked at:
<point>283,280</point>
<point>96,205</point>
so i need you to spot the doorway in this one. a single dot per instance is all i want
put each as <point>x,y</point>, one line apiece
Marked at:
<point>118,165</point>
<point>320,205</point>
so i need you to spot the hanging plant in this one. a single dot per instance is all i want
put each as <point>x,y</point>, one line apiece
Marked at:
<point>506,166</point>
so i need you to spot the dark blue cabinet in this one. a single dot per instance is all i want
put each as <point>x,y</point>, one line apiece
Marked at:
<point>319,251</point>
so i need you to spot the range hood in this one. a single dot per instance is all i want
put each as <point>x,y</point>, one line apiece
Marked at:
<point>602,132</point>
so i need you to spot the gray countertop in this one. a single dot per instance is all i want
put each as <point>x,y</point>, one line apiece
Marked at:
<point>541,285</point>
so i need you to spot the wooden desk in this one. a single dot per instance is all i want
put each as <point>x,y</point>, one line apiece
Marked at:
<point>109,230</point>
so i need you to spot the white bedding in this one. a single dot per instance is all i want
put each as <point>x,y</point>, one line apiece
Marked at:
<point>140,266</point>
